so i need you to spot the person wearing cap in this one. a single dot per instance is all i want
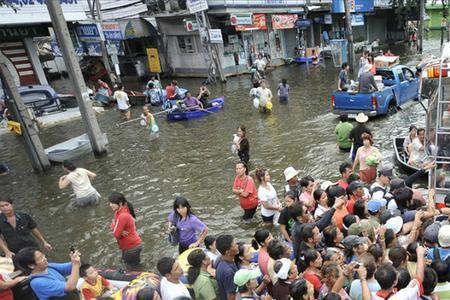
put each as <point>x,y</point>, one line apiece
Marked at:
<point>247,285</point>
<point>357,131</point>
<point>342,132</point>
<point>345,169</point>
<point>366,80</point>
<point>286,272</point>
<point>245,189</point>
<point>417,149</point>
<point>363,228</point>
<point>374,209</point>
<point>293,184</point>
<point>444,244</point>
<point>356,192</point>
<point>354,247</point>
<point>380,189</point>
<point>367,157</point>
<point>430,235</point>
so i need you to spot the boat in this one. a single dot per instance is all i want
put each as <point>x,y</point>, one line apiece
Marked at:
<point>136,98</point>
<point>400,155</point>
<point>302,60</point>
<point>217,104</point>
<point>69,149</point>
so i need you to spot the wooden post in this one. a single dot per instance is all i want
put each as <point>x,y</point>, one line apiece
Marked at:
<point>33,144</point>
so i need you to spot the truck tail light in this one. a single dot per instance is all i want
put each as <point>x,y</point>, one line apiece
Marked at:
<point>434,72</point>
<point>332,101</point>
<point>374,102</point>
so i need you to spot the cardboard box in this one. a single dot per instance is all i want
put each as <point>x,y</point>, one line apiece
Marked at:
<point>386,61</point>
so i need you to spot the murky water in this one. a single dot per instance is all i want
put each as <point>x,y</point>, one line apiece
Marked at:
<point>191,158</point>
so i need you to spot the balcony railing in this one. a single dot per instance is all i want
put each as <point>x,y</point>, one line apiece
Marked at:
<point>259,3</point>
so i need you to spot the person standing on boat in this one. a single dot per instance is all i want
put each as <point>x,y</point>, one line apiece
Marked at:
<point>342,132</point>
<point>203,95</point>
<point>123,103</point>
<point>188,225</point>
<point>123,227</point>
<point>357,131</point>
<point>79,179</point>
<point>245,189</point>
<point>242,145</point>
<point>417,149</point>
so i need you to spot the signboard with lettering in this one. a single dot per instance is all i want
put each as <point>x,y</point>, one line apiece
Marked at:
<point>196,5</point>
<point>259,23</point>
<point>286,21</point>
<point>357,20</point>
<point>241,19</point>
<point>86,32</point>
<point>111,31</point>
<point>327,19</point>
<point>358,6</point>
<point>190,25</point>
<point>215,36</point>
<point>153,60</point>
<point>303,23</point>
<point>35,11</point>
<point>20,32</point>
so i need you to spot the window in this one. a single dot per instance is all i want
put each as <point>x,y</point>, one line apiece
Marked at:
<point>186,44</point>
<point>400,75</point>
<point>409,75</point>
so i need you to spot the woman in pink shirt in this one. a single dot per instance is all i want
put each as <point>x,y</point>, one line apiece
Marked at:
<point>308,187</point>
<point>260,241</point>
<point>367,173</point>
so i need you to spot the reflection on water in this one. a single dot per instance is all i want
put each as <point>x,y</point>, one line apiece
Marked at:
<point>192,158</point>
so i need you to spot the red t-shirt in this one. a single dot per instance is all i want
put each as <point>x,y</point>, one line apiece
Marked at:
<point>314,280</point>
<point>350,204</point>
<point>124,221</point>
<point>170,90</point>
<point>6,294</point>
<point>343,184</point>
<point>247,185</point>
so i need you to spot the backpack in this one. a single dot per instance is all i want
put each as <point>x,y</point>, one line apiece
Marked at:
<point>377,189</point>
<point>437,256</point>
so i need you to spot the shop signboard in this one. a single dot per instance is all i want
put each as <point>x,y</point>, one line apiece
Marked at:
<point>285,21</point>
<point>303,23</point>
<point>153,60</point>
<point>356,6</point>
<point>357,20</point>
<point>241,19</point>
<point>20,32</point>
<point>196,5</point>
<point>259,23</point>
<point>190,25</point>
<point>88,32</point>
<point>111,31</point>
<point>215,36</point>
<point>327,19</point>
<point>383,3</point>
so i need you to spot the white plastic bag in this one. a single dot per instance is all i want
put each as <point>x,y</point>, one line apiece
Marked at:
<point>233,146</point>
<point>256,102</point>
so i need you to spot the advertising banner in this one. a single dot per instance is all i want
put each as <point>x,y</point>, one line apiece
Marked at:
<point>303,23</point>
<point>196,5</point>
<point>153,60</point>
<point>259,23</point>
<point>286,21</point>
<point>358,6</point>
<point>357,20</point>
<point>241,19</point>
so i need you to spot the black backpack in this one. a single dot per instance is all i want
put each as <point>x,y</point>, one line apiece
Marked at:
<point>437,256</point>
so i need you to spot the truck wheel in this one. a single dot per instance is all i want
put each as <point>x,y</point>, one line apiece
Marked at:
<point>392,109</point>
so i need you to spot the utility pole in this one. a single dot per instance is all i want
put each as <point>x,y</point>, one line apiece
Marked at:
<point>33,144</point>
<point>212,49</point>
<point>97,139</point>
<point>99,20</point>
<point>351,50</point>
<point>420,29</point>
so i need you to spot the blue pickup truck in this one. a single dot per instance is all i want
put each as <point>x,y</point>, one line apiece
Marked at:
<point>400,86</point>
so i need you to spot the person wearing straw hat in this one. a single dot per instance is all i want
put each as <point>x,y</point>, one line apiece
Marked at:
<point>357,132</point>
<point>366,80</point>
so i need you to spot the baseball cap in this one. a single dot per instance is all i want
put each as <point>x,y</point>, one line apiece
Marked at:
<point>242,276</point>
<point>431,233</point>
<point>354,185</point>
<point>444,236</point>
<point>397,183</point>
<point>389,213</point>
<point>373,206</point>
<point>352,240</point>
<point>386,171</point>
<point>395,223</point>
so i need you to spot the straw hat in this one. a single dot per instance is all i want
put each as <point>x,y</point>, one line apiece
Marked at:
<point>361,118</point>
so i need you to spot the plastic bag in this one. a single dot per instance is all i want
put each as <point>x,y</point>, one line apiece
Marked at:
<point>256,102</point>
<point>269,105</point>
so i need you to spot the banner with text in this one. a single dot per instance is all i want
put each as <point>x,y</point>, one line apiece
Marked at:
<point>286,21</point>
<point>259,23</point>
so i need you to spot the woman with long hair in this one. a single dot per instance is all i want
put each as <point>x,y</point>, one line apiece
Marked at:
<point>367,157</point>
<point>270,205</point>
<point>311,265</point>
<point>244,188</point>
<point>188,225</point>
<point>204,285</point>
<point>242,145</point>
<point>261,241</point>
<point>80,180</point>
<point>124,228</point>
<point>244,258</point>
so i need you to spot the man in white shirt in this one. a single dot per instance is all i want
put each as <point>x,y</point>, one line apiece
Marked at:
<point>417,149</point>
<point>380,188</point>
<point>260,64</point>
<point>171,287</point>
<point>123,103</point>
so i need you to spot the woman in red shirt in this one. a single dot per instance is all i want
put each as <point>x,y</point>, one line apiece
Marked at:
<point>124,229</point>
<point>245,189</point>
<point>312,263</point>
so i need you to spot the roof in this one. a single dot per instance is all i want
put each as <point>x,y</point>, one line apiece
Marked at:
<point>121,9</point>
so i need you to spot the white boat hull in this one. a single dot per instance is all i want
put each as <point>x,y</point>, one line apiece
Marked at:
<point>69,149</point>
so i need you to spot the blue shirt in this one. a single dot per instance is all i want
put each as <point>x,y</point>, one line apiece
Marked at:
<point>444,253</point>
<point>188,228</point>
<point>53,283</point>
<point>356,289</point>
<point>224,275</point>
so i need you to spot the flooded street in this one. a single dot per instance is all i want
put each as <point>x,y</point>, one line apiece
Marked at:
<point>191,158</point>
